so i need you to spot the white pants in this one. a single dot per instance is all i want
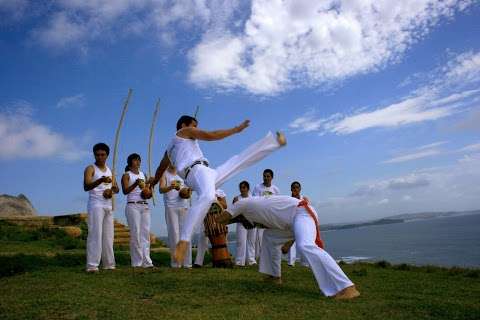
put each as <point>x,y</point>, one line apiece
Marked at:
<point>258,242</point>
<point>294,256</point>
<point>100,238</point>
<point>175,218</point>
<point>330,278</point>
<point>138,219</point>
<point>205,180</point>
<point>202,245</point>
<point>245,249</point>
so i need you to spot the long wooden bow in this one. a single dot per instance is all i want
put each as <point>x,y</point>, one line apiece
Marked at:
<point>117,138</point>
<point>150,142</point>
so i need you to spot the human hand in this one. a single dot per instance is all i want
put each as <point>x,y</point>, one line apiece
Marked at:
<point>108,193</point>
<point>105,179</point>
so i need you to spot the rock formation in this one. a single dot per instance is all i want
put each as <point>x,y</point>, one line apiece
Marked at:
<point>11,206</point>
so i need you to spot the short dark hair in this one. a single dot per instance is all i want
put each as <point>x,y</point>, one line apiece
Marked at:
<point>130,159</point>
<point>101,146</point>
<point>268,171</point>
<point>185,120</point>
<point>294,183</point>
<point>244,183</point>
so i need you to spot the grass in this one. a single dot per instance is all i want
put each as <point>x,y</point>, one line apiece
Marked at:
<point>34,285</point>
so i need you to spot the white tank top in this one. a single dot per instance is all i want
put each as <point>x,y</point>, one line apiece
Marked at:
<point>135,194</point>
<point>171,198</point>
<point>95,196</point>
<point>183,152</point>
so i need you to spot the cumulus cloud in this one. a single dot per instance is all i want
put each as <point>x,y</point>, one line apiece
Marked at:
<point>288,43</point>
<point>449,93</point>
<point>263,47</point>
<point>75,101</point>
<point>22,137</point>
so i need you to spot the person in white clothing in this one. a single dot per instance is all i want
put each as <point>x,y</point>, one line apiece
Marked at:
<point>288,218</point>
<point>264,189</point>
<point>185,154</point>
<point>202,243</point>
<point>295,188</point>
<point>245,249</point>
<point>101,185</point>
<point>137,212</point>
<point>176,209</point>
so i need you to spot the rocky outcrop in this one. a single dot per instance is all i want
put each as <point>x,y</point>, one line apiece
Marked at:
<point>11,206</point>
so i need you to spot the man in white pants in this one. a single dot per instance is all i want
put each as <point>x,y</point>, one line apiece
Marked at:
<point>264,189</point>
<point>202,243</point>
<point>101,185</point>
<point>176,209</point>
<point>137,213</point>
<point>296,189</point>
<point>185,154</point>
<point>245,248</point>
<point>288,218</point>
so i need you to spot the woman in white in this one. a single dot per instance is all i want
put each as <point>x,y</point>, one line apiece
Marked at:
<point>245,250</point>
<point>176,210</point>
<point>137,212</point>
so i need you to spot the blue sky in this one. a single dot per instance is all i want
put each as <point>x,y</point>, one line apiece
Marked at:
<point>379,99</point>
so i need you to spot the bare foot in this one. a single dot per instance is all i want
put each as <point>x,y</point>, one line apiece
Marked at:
<point>281,138</point>
<point>223,218</point>
<point>347,293</point>
<point>286,246</point>
<point>180,251</point>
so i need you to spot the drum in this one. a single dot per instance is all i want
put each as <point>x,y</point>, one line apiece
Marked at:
<point>217,234</point>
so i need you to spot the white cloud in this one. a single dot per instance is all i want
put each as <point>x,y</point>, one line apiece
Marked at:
<point>264,47</point>
<point>471,148</point>
<point>22,137</point>
<point>303,42</point>
<point>384,201</point>
<point>414,156</point>
<point>442,97</point>
<point>12,10</point>
<point>75,101</point>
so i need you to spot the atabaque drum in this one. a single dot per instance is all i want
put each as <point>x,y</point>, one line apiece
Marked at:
<point>217,234</point>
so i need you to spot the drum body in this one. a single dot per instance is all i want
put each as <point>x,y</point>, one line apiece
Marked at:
<point>217,234</point>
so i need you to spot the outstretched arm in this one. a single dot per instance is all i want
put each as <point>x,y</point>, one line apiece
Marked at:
<point>195,133</point>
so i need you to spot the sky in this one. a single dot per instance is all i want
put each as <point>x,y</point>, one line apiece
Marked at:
<point>379,100</point>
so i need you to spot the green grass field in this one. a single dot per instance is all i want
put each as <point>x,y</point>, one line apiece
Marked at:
<point>35,285</point>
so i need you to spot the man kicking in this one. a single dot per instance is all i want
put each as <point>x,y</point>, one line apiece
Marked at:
<point>185,154</point>
<point>288,218</point>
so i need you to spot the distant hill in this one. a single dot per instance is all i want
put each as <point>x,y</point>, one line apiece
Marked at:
<point>399,218</point>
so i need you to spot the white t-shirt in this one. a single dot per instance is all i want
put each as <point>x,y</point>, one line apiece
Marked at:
<point>184,152</point>
<point>134,195</point>
<point>261,190</point>
<point>275,212</point>
<point>171,198</point>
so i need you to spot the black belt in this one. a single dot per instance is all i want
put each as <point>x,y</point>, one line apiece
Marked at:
<point>187,170</point>
<point>137,202</point>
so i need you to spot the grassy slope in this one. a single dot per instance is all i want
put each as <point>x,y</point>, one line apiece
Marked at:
<point>56,287</point>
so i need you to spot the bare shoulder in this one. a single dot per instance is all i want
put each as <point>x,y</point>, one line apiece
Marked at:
<point>89,169</point>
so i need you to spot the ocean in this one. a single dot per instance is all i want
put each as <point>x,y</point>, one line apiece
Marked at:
<point>444,242</point>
